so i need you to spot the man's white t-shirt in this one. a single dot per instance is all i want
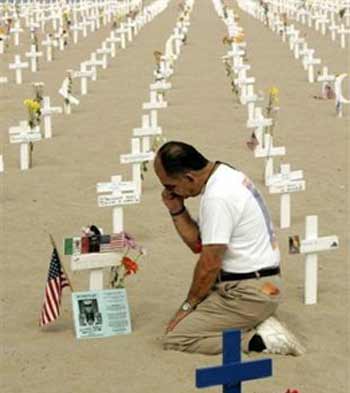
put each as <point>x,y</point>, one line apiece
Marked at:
<point>233,212</point>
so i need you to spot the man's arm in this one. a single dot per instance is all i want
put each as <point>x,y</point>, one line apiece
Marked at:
<point>186,227</point>
<point>204,277</point>
<point>206,272</point>
<point>188,230</point>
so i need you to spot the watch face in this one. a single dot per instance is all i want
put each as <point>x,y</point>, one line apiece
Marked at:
<point>186,306</point>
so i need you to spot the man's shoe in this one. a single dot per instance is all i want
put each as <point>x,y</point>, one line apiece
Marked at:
<point>278,339</point>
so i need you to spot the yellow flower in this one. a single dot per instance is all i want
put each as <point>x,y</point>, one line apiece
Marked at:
<point>32,105</point>
<point>239,38</point>
<point>35,106</point>
<point>273,92</point>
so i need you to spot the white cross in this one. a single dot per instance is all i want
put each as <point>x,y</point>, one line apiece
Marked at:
<point>304,52</point>
<point>50,44</point>
<point>259,122</point>
<point>156,101</point>
<point>238,65</point>
<point>18,66</point>
<point>249,97</point>
<point>269,151</point>
<point>84,24</point>
<point>33,55</point>
<point>311,246</point>
<point>325,78</point>
<point>95,263</point>
<point>104,51</point>
<point>24,135</point>
<point>76,28</point>
<point>310,62</point>
<point>321,20</point>
<point>343,32</point>
<point>122,193</point>
<point>112,40</point>
<point>68,98</point>
<point>294,36</point>
<point>121,31</point>
<point>297,43</point>
<point>16,29</point>
<point>333,28</point>
<point>136,158</point>
<point>284,184</point>
<point>145,131</point>
<point>94,62</point>
<point>83,74</point>
<point>130,25</point>
<point>46,112</point>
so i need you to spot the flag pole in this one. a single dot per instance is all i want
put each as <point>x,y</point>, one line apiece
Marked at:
<point>64,270</point>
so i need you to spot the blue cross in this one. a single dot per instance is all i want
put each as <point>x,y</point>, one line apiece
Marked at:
<point>233,371</point>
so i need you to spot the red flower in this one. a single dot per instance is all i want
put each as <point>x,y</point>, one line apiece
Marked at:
<point>130,266</point>
<point>292,391</point>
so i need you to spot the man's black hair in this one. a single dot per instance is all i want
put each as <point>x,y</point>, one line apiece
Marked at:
<point>179,157</point>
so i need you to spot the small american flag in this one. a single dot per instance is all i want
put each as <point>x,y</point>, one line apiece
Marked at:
<point>56,281</point>
<point>116,242</point>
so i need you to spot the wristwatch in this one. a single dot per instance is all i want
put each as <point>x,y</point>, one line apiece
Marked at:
<point>186,306</point>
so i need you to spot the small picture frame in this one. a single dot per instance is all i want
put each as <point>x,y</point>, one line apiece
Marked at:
<point>294,244</point>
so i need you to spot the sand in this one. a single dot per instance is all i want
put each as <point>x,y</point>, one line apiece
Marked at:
<point>58,196</point>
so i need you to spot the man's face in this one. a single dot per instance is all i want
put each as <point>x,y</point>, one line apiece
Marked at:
<point>184,185</point>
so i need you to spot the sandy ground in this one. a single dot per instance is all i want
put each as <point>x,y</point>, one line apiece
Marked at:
<point>58,195</point>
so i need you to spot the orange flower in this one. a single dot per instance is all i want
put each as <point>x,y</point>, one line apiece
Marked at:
<point>130,266</point>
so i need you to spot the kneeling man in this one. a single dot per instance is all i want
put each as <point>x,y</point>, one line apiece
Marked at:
<point>237,281</point>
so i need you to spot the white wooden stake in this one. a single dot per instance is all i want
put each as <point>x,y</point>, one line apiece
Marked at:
<point>118,214</point>
<point>24,156</point>
<point>136,168</point>
<point>311,267</point>
<point>46,113</point>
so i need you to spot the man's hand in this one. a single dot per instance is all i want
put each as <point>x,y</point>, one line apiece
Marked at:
<point>179,316</point>
<point>172,201</point>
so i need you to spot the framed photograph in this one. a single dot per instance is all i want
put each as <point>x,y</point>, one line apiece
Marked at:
<point>101,313</point>
<point>294,244</point>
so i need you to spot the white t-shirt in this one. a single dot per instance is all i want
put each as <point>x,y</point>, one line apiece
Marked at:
<point>233,212</point>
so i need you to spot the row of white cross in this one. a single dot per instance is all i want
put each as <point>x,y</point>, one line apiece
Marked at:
<point>298,45</point>
<point>128,28</point>
<point>54,15</point>
<point>118,193</point>
<point>82,15</point>
<point>26,135</point>
<point>323,18</point>
<point>286,181</point>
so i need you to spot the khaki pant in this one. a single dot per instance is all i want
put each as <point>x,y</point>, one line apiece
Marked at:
<point>232,304</point>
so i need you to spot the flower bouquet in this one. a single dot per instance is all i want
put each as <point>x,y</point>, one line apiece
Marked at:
<point>33,108</point>
<point>129,264</point>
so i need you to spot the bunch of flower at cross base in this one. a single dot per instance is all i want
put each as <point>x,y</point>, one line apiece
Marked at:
<point>129,263</point>
<point>34,106</point>
<point>239,38</point>
<point>272,108</point>
<point>157,142</point>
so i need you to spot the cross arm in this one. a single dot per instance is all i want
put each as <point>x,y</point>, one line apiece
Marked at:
<point>233,373</point>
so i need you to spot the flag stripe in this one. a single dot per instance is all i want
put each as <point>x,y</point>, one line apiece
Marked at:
<point>56,281</point>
